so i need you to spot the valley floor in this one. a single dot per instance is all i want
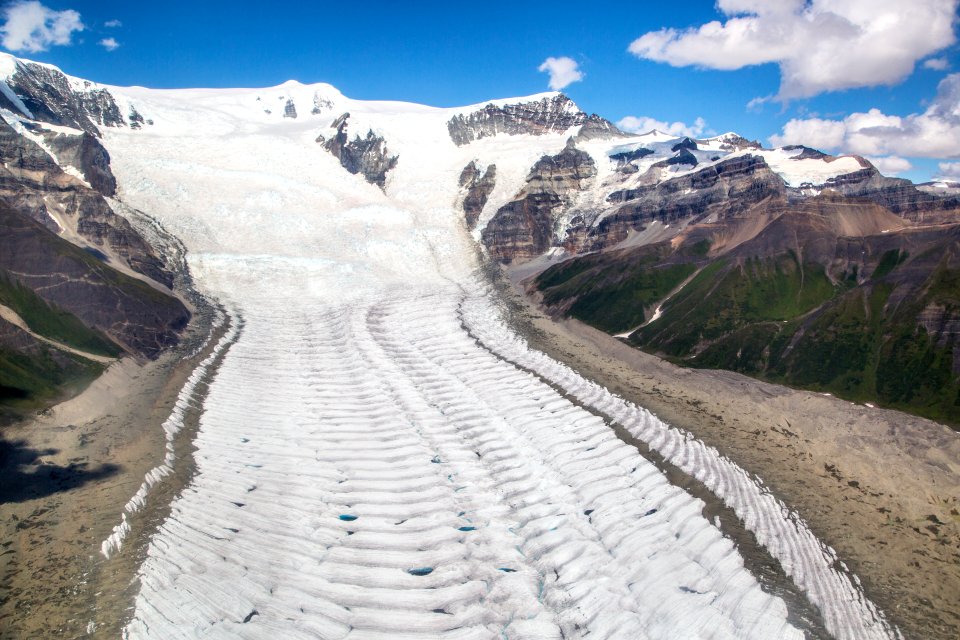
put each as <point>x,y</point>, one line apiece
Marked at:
<point>66,476</point>
<point>879,486</point>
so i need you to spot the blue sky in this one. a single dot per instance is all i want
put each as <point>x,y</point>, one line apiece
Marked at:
<point>449,54</point>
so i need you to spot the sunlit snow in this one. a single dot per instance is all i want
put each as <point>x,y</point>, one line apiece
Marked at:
<point>379,456</point>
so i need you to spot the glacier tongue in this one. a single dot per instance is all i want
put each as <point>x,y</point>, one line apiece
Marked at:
<point>371,460</point>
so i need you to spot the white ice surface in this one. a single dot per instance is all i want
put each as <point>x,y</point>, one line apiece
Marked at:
<point>372,419</point>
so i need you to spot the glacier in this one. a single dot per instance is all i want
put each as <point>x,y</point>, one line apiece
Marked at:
<point>379,455</point>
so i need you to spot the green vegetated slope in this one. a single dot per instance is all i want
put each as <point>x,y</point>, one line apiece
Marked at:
<point>612,295</point>
<point>32,373</point>
<point>876,320</point>
<point>51,321</point>
<point>33,378</point>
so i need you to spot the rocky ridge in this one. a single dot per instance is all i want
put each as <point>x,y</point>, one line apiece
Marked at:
<point>555,113</point>
<point>71,269</point>
<point>366,156</point>
<point>525,227</point>
<point>477,186</point>
<point>766,262</point>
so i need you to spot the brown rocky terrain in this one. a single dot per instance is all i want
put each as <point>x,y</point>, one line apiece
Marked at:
<point>524,228</point>
<point>78,283</point>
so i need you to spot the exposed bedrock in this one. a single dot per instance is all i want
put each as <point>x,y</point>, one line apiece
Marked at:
<point>551,114</point>
<point>727,188</point>
<point>898,195</point>
<point>85,154</point>
<point>477,185</point>
<point>33,183</point>
<point>524,228</point>
<point>367,156</point>
<point>50,97</point>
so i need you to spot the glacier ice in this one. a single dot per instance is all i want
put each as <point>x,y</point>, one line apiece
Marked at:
<point>378,455</point>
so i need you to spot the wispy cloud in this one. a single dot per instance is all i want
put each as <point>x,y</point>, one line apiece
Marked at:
<point>563,71</point>
<point>110,44</point>
<point>949,171</point>
<point>937,64</point>
<point>110,24</point>
<point>819,46</point>
<point>30,26</point>
<point>643,124</point>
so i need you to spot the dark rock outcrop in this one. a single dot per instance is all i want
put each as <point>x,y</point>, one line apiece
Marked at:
<point>524,228</point>
<point>34,184</point>
<point>806,153</point>
<point>624,158</point>
<point>478,185</point>
<point>48,95</point>
<point>726,188</point>
<point>84,153</point>
<point>367,156</point>
<point>682,157</point>
<point>733,142</point>
<point>686,143</point>
<point>597,128</point>
<point>552,114</point>
<point>320,105</point>
<point>290,109</point>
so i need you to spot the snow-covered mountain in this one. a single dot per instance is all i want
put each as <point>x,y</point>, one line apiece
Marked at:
<point>379,454</point>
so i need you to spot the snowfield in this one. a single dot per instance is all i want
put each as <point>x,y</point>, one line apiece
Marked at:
<point>379,456</point>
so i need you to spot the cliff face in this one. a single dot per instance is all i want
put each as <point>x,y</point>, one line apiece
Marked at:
<point>723,190</point>
<point>32,181</point>
<point>86,155</point>
<point>367,156</point>
<point>899,196</point>
<point>551,114</point>
<point>46,94</point>
<point>524,228</point>
<point>655,179</point>
<point>477,186</point>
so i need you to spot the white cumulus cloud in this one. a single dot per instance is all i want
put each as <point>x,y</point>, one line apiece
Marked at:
<point>937,64</point>
<point>891,165</point>
<point>820,45</point>
<point>30,26</point>
<point>643,124</point>
<point>563,71</point>
<point>110,44</point>
<point>934,133</point>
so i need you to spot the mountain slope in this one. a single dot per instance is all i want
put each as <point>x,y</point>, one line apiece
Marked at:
<point>830,294</point>
<point>73,271</point>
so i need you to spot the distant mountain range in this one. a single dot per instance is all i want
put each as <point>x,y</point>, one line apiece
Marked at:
<point>786,264</point>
